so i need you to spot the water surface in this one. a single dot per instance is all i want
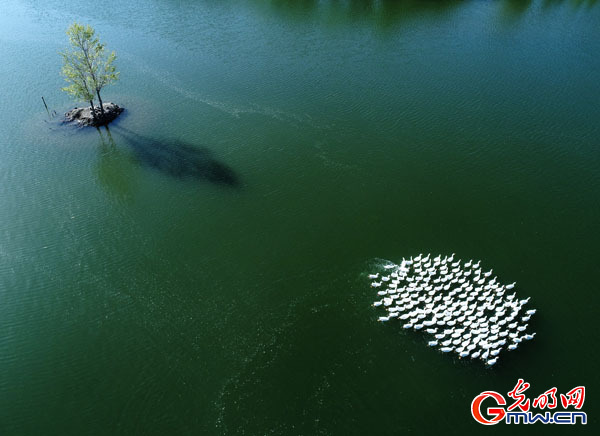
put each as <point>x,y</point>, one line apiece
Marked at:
<point>200,267</point>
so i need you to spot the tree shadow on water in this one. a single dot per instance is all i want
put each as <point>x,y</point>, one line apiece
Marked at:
<point>179,159</point>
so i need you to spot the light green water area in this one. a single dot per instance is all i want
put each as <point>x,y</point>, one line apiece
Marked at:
<point>200,268</point>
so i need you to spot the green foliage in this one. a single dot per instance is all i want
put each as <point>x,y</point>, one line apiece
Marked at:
<point>87,67</point>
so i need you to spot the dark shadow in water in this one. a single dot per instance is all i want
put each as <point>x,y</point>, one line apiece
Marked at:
<point>179,159</point>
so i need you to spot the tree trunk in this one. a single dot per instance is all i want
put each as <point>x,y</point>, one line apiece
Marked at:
<point>93,109</point>
<point>101,104</point>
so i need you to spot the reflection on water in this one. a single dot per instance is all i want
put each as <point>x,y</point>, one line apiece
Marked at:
<point>179,159</point>
<point>516,7</point>
<point>383,13</point>
<point>572,3</point>
<point>380,12</point>
<point>115,168</point>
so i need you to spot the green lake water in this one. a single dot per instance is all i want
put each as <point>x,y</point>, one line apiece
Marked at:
<point>201,267</point>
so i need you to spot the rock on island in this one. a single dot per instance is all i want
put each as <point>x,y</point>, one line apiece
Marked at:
<point>83,116</point>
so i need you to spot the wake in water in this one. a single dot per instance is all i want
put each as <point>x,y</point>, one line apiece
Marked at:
<point>170,81</point>
<point>460,307</point>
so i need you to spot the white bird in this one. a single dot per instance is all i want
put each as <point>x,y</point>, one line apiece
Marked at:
<point>432,343</point>
<point>512,285</point>
<point>492,362</point>
<point>376,284</point>
<point>529,337</point>
<point>373,276</point>
<point>446,349</point>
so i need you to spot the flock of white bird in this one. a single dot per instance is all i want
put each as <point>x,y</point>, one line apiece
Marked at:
<point>461,307</point>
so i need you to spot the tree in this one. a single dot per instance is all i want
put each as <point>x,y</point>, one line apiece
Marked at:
<point>87,67</point>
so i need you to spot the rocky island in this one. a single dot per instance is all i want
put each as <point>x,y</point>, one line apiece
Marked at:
<point>95,117</point>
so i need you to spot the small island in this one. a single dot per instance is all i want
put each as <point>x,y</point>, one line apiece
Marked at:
<point>83,116</point>
<point>88,69</point>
